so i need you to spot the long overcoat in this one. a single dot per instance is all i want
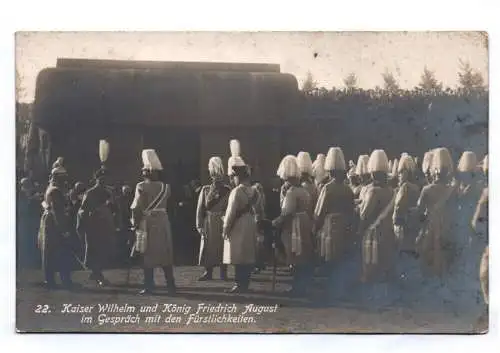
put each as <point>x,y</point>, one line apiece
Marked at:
<point>378,245</point>
<point>154,221</point>
<point>334,218</point>
<point>435,243</point>
<point>54,231</point>
<point>240,226</point>
<point>296,225</point>
<point>96,225</point>
<point>404,218</point>
<point>212,203</point>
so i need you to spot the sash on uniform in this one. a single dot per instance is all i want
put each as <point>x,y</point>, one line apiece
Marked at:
<point>141,234</point>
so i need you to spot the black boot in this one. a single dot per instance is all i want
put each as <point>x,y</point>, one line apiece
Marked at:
<point>50,282</point>
<point>66,280</point>
<point>98,277</point>
<point>148,281</point>
<point>235,289</point>
<point>299,282</point>
<point>169,277</point>
<point>207,275</point>
<point>145,291</point>
<point>223,272</point>
<point>239,286</point>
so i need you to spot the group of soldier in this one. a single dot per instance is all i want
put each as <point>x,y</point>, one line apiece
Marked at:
<point>380,214</point>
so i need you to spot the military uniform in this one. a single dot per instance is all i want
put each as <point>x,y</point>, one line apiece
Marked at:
<point>212,203</point>
<point>378,244</point>
<point>53,237</point>
<point>95,224</point>
<point>436,205</point>
<point>153,230</point>
<point>296,225</point>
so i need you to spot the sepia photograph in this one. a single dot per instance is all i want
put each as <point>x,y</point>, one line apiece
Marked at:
<point>252,182</point>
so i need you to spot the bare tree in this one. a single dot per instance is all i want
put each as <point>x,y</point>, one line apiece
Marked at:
<point>470,79</point>
<point>309,84</point>
<point>428,81</point>
<point>390,83</point>
<point>351,81</point>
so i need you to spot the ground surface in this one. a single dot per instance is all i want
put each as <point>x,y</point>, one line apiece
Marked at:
<point>411,312</point>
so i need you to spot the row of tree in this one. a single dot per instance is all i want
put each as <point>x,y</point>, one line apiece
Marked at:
<point>469,80</point>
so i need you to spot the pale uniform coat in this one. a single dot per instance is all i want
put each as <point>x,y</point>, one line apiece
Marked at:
<point>480,225</point>
<point>363,190</point>
<point>436,202</point>
<point>376,201</point>
<point>159,250</point>
<point>296,229</point>
<point>334,217</point>
<point>240,226</point>
<point>212,203</point>
<point>405,220</point>
<point>313,192</point>
<point>483,275</point>
<point>469,245</point>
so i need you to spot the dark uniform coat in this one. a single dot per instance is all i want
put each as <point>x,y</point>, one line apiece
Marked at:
<point>212,203</point>
<point>54,231</point>
<point>96,225</point>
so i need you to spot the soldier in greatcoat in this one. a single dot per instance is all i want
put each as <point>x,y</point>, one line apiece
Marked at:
<point>480,225</point>
<point>295,223</point>
<point>436,209</point>
<point>212,203</point>
<point>264,234</point>
<point>378,244</point>
<point>405,219</point>
<point>334,215</point>
<point>96,226</point>
<point>240,226</point>
<point>480,219</point>
<point>55,232</point>
<point>152,225</point>
<point>405,222</point>
<point>321,178</point>
<point>470,247</point>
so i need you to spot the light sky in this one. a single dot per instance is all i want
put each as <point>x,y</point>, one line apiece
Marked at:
<point>367,54</point>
